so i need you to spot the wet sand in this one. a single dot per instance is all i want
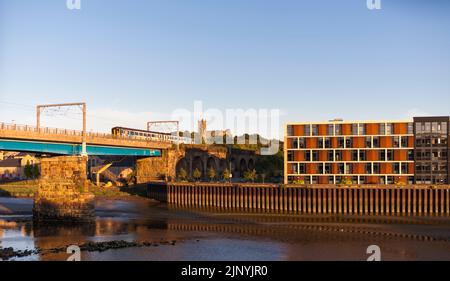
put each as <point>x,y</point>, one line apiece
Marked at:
<point>141,229</point>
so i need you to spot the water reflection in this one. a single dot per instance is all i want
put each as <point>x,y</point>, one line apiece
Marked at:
<point>215,235</point>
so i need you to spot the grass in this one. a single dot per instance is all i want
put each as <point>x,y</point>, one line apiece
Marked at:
<point>18,189</point>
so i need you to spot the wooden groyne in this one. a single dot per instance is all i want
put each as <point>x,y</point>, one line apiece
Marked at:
<point>314,199</point>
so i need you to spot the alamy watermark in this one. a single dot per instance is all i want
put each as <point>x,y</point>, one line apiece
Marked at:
<point>73,4</point>
<point>232,126</point>
<point>373,4</point>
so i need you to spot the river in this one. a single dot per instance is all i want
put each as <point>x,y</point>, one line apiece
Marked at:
<point>166,233</point>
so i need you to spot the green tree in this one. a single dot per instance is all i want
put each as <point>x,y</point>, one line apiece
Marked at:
<point>28,171</point>
<point>182,175</point>
<point>197,174</point>
<point>35,171</point>
<point>250,175</point>
<point>211,173</point>
<point>226,175</point>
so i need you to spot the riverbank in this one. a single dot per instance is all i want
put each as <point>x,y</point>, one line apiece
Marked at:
<point>27,189</point>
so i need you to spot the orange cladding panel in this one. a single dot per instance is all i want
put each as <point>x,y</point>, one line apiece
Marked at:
<point>323,130</point>
<point>346,129</point>
<point>299,155</point>
<point>386,142</point>
<point>311,142</point>
<point>299,130</point>
<point>400,128</point>
<point>372,129</point>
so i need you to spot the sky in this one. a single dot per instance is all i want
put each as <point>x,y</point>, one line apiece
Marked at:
<point>134,61</point>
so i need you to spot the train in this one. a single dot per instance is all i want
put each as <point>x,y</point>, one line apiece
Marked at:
<point>147,135</point>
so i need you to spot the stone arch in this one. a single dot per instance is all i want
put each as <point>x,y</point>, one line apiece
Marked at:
<point>211,163</point>
<point>242,167</point>
<point>197,163</point>
<point>251,164</point>
<point>182,164</point>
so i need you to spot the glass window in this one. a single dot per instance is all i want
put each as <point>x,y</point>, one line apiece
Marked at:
<point>368,168</point>
<point>444,126</point>
<point>330,155</point>
<point>355,129</point>
<point>330,129</point>
<point>338,129</point>
<point>427,128</point>
<point>362,129</point>
<point>411,155</point>
<point>320,142</point>
<point>354,155</point>
<point>404,141</point>
<point>340,168</point>
<point>376,168</point>
<point>382,129</point>
<point>434,127</point>
<point>315,155</point>
<point>290,155</point>
<point>341,142</point>
<point>315,130</point>
<point>327,142</point>
<point>404,168</point>
<point>389,128</point>
<point>348,168</point>
<point>368,142</point>
<point>338,155</point>
<point>308,155</point>
<point>362,155</point>
<point>376,142</point>
<point>302,168</point>
<point>348,142</point>
<point>389,155</point>
<point>382,155</point>
<point>302,143</point>
<point>307,130</point>
<point>410,128</point>
<point>396,141</point>
<point>396,168</point>
<point>295,143</point>
<point>327,168</point>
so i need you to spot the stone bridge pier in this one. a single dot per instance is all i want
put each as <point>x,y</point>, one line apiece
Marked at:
<point>63,191</point>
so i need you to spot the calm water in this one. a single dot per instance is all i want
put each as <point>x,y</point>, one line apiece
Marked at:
<point>202,235</point>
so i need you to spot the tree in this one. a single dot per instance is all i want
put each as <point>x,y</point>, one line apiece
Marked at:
<point>182,175</point>
<point>35,171</point>
<point>226,175</point>
<point>211,173</point>
<point>197,174</point>
<point>28,171</point>
<point>250,175</point>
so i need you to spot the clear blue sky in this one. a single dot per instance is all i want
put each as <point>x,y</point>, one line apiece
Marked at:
<point>312,59</point>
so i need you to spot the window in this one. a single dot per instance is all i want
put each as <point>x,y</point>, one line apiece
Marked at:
<point>307,130</point>
<point>396,141</point>
<point>376,168</point>
<point>369,142</point>
<point>354,155</point>
<point>294,168</point>
<point>302,143</point>
<point>389,155</point>
<point>330,129</point>
<point>295,143</point>
<point>315,155</point>
<point>327,142</point>
<point>444,126</point>
<point>404,141</point>
<point>396,168</point>
<point>389,129</point>
<point>341,142</point>
<point>320,169</point>
<point>348,142</point>
<point>382,129</point>
<point>411,155</point>
<point>410,128</point>
<point>338,155</point>
<point>302,168</point>
<point>330,155</point>
<point>376,142</point>
<point>348,168</point>
<point>290,155</point>
<point>404,168</point>
<point>320,142</point>
<point>341,168</point>
<point>338,129</point>
<point>362,129</point>
<point>327,168</point>
<point>427,127</point>
<point>315,130</point>
<point>355,129</point>
<point>368,168</point>
<point>435,127</point>
<point>362,155</point>
<point>308,155</point>
<point>382,155</point>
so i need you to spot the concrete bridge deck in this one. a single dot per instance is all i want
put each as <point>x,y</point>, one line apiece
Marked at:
<point>20,137</point>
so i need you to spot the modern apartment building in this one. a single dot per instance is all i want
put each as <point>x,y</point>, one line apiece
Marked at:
<point>367,152</point>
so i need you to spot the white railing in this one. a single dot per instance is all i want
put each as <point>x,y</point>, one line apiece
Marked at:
<point>58,131</point>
